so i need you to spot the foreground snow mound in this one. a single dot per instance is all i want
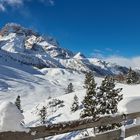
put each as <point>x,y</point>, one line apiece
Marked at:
<point>129,105</point>
<point>10,118</point>
<point>133,138</point>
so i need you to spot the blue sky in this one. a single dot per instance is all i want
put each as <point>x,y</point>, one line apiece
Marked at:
<point>99,28</point>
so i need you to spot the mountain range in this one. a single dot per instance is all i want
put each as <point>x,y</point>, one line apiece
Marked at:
<point>38,69</point>
<point>24,46</point>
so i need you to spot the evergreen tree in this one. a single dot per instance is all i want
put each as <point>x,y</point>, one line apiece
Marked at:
<point>87,79</point>
<point>108,98</point>
<point>136,77</point>
<point>90,101</point>
<point>129,79</point>
<point>75,105</point>
<point>69,88</point>
<point>18,103</point>
<point>42,115</point>
<point>132,77</point>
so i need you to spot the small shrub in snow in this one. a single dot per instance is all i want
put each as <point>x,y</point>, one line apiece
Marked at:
<point>75,105</point>
<point>55,103</point>
<point>42,114</point>
<point>49,97</point>
<point>69,88</point>
<point>18,103</point>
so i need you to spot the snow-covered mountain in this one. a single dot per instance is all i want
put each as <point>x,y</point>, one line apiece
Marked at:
<point>15,38</point>
<point>25,46</point>
<point>37,68</point>
<point>79,55</point>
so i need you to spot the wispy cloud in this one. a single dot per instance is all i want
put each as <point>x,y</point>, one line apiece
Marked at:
<point>108,49</point>
<point>17,3</point>
<point>48,2</point>
<point>124,61</point>
<point>51,2</point>
<point>2,8</point>
<point>12,2</point>
<point>110,55</point>
<point>98,51</point>
<point>98,55</point>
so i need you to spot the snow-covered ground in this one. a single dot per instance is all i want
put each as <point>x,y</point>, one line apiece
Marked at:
<point>32,85</point>
<point>20,46</point>
<point>11,118</point>
<point>59,114</point>
<point>35,86</point>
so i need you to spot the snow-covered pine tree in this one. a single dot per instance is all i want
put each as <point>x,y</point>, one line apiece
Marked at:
<point>69,88</point>
<point>75,105</point>
<point>18,103</point>
<point>136,77</point>
<point>42,114</point>
<point>108,98</point>
<point>132,77</point>
<point>129,79</point>
<point>90,101</point>
<point>87,79</point>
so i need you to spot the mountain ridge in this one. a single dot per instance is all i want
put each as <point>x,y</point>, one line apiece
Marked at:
<point>28,47</point>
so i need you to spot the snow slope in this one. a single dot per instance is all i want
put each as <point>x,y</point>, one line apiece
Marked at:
<point>32,84</point>
<point>37,68</point>
<point>63,113</point>
<point>36,85</point>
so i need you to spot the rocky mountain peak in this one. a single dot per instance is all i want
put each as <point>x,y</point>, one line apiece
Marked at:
<point>16,28</point>
<point>30,42</point>
<point>79,55</point>
<point>23,45</point>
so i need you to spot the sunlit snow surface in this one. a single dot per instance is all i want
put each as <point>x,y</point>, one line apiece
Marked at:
<point>35,86</point>
<point>10,118</point>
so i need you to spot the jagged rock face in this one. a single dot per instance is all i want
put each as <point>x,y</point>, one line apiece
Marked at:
<point>25,46</point>
<point>31,42</point>
<point>16,28</point>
